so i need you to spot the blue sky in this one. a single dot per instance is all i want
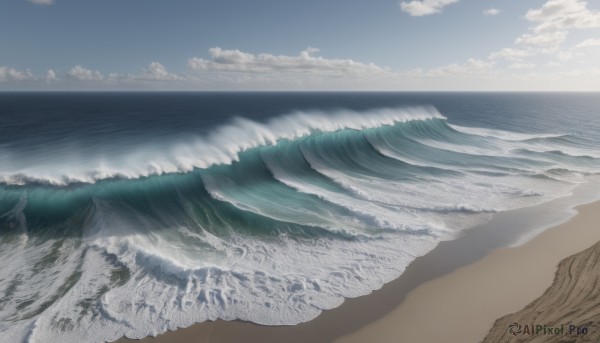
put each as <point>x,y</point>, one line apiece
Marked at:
<point>307,45</point>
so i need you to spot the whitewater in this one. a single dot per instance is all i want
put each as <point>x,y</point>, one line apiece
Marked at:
<point>269,221</point>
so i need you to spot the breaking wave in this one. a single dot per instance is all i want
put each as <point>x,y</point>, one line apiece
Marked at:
<point>265,222</point>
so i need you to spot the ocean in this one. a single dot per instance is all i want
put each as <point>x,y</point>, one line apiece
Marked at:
<point>135,213</point>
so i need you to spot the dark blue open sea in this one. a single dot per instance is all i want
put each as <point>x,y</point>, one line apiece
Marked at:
<point>135,213</point>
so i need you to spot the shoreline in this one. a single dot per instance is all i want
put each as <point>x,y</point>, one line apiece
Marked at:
<point>462,306</point>
<point>453,293</point>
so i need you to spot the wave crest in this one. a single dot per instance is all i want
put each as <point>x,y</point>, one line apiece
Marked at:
<point>63,166</point>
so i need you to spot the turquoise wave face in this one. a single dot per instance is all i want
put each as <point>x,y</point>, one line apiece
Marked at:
<point>288,225</point>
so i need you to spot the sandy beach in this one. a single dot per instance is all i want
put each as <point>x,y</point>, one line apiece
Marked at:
<point>449,295</point>
<point>567,308</point>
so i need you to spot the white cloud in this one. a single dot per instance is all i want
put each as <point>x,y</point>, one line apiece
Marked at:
<point>491,12</point>
<point>150,77</point>
<point>521,65</point>
<point>588,43</point>
<point>156,72</point>
<point>553,21</point>
<point>11,74</point>
<point>241,70</point>
<point>550,39</point>
<point>563,14</point>
<point>305,63</point>
<point>510,54</point>
<point>42,2</point>
<point>506,69</point>
<point>568,55</point>
<point>51,75</point>
<point>153,73</point>
<point>82,74</point>
<point>471,67</point>
<point>593,72</point>
<point>420,8</point>
<point>565,55</point>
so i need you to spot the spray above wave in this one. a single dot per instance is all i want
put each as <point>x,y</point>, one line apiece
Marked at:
<point>315,208</point>
<point>61,165</point>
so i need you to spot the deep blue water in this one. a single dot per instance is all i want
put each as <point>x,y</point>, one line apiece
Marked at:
<point>133,213</point>
<point>41,118</point>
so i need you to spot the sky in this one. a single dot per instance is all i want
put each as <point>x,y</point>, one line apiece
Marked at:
<point>379,45</point>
